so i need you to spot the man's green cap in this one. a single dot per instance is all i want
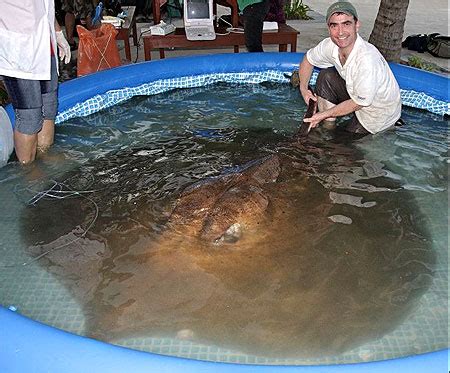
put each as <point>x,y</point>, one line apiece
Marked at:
<point>341,7</point>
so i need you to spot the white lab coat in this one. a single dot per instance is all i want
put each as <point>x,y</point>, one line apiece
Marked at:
<point>26,29</point>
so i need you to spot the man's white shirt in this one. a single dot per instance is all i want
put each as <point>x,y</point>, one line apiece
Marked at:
<point>369,81</point>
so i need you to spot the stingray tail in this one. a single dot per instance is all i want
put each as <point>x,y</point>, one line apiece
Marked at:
<point>306,127</point>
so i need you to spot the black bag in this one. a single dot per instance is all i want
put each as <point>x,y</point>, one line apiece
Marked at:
<point>416,43</point>
<point>436,44</point>
<point>439,45</point>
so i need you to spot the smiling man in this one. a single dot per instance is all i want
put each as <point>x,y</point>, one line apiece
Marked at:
<point>355,79</point>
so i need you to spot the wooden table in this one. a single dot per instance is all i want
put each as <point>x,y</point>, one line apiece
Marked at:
<point>284,36</point>
<point>125,31</point>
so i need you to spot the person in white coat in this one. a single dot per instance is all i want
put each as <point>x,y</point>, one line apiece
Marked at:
<point>30,38</point>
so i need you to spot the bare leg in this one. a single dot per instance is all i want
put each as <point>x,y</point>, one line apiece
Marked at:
<point>25,147</point>
<point>46,135</point>
<point>89,24</point>
<point>322,104</point>
<point>69,22</point>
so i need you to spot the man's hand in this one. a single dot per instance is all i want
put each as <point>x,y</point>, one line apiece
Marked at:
<point>339,110</point>
<point>307,94</point>
<point>63,47</point>
<point>316,119</point>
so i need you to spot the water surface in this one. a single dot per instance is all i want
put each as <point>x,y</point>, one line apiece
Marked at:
<point>350,245</point>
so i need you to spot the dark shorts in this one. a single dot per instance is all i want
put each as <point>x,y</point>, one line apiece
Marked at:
<point>331,87</point>
<point>33,101</point>
<point>80,8</point>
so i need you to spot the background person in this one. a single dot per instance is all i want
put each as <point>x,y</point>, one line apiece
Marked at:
<point>254,13</point>
<point>81,10</point>
<point>355,78</point>
<point>29,69</point>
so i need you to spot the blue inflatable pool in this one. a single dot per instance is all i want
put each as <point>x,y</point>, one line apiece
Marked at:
<point>29,346</point>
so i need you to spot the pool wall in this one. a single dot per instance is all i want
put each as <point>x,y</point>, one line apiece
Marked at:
<point>29,346</point>
<point>81,89</point>
<point>427,89</point>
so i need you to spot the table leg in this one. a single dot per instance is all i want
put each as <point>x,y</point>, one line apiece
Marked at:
<point>282,47</point>
<point>135,41</point>
<point>147,50</point>
<point>127,48</point>
<point>161,53</point>
<point>294,45</point>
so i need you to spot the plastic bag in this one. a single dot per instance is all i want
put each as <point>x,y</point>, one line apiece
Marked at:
<point>97,49</point>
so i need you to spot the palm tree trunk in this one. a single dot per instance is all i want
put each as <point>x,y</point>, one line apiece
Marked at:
<point>387,33</point>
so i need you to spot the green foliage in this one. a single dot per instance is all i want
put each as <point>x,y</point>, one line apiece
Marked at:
<point>415,61</point>
<point>295,9</point>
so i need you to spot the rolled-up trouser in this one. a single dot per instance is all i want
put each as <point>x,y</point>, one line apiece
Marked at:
<point>331,87</point>
<point>254,16</point>
<point>33,100</point>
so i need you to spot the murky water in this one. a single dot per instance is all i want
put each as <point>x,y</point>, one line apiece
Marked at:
<point>339,256</point>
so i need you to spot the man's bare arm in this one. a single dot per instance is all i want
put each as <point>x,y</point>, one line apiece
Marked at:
<point>344,108</point>
<point>304,74</point>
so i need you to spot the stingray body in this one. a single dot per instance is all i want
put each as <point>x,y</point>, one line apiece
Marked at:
<point>217,209</point>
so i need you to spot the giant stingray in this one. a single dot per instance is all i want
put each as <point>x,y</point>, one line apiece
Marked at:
<point>277,257</point>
